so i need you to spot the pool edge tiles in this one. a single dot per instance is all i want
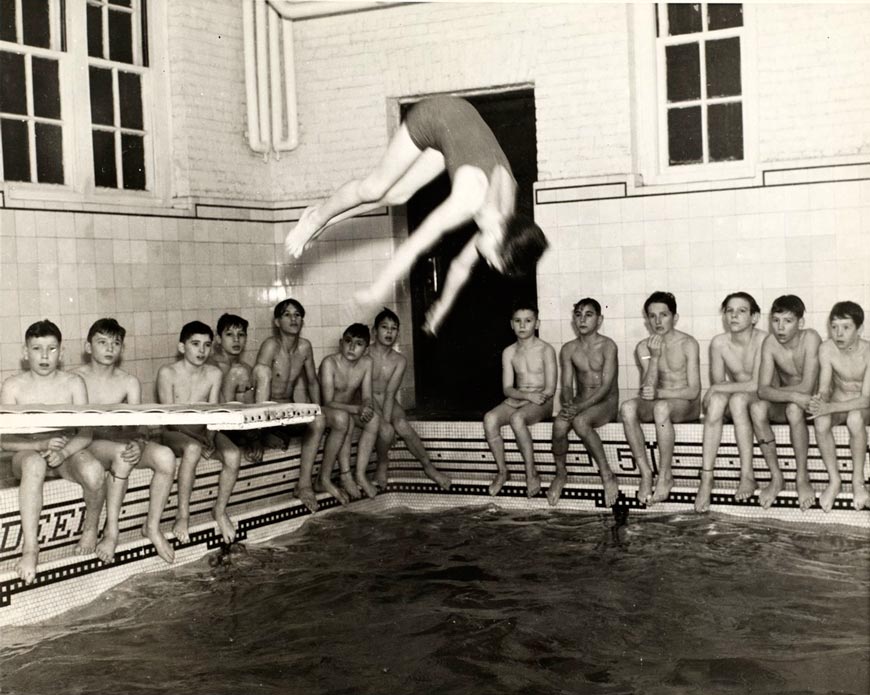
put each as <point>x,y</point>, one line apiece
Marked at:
<point>264,507</point>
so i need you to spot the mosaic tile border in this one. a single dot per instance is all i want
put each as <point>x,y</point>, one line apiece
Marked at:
<point>264,507</point>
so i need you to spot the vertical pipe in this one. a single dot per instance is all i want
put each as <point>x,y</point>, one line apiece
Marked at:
<point>254,141</point>
<point>262,72</point>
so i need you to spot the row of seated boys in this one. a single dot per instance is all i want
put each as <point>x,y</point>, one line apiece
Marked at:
<point>787,376</point>
<point>756,379</point>
<point>354,388</point>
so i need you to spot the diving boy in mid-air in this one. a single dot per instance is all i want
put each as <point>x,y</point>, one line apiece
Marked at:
<point>529,375</point>
<point>439,134</point>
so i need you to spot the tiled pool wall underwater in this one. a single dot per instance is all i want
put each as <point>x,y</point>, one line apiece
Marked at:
<point>264,507</point>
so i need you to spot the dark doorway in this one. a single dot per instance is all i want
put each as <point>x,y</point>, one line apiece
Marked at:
<point>458,373</point>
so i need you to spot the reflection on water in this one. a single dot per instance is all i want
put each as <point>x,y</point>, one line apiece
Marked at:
<point>477,601</point>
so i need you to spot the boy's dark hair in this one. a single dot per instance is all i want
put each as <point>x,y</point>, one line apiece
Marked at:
<point>660,297</point>
<point>847,310</point>
<point>588,301</point>
<point>523,245</point>
<point>525,305</point>
<point>748,298</point>
<point>108,327</point>
<point>227,321</point>
<point>282,305</point>
<point>385,314</point>
<point>42,329</point>
<point>357,330</point>
<point>788,303</point>
<point>188,330</point>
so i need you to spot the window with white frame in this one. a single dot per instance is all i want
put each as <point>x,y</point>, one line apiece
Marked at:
<point>31,124</point>
<point>691,73</point>
<point>75,92</point>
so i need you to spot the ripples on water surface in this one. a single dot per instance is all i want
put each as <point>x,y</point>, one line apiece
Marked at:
<point>478,601</point>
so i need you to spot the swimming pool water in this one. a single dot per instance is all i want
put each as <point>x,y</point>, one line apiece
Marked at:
<point>478,601</point>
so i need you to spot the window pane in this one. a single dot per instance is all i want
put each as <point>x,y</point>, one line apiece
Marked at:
<point>95,32</point>
<point>683,72</point>
<point>7,20</point>
<point>725,127</point>
<point>13,94</point>
<point>130,94</point>
<point>46,88</point>
<point>120,36</point>
<point>121,3</point>
<point>49,153</point>
<point>683,19</point>
<point>102,107</point>
<point>16,150</point>
<point>36,24</point>
<point>133,162</point>
<point>723,68</point>
<point>684,136</point>
<point>105,173</point>
<point>724,16</point>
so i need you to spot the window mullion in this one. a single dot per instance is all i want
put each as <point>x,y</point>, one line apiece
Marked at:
<point>19,22</point>
<point>116,123</point>
<point>105,29</point>
<point>702,56</point>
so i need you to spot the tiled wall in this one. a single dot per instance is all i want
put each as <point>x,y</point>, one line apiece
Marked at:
<point>809,240</point>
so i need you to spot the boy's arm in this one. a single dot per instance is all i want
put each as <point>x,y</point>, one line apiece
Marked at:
<point>821,405</point>
<point>608,376</point>
<point>84,436</point>
<point>165,393</point>
<point>692,389</point>
<point>311,377</point>
<point>566,370</point>
<point>216,377</point>
<point>648,359</point>
<point>801,393</point>
<point>457,275</point>
<point>551,371</point>
<point>507,375</point>
<point>393,388</point>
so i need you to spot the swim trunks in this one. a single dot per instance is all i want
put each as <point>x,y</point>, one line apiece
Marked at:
<point>454,127</point>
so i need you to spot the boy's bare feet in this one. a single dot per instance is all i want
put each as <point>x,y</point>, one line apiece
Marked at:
<point>366,486</point>
<point>88,542</point>
<point>745,488</point>
<point>500,479</point>
<point>350,486</point>
<point>611,490</point>
<point>827,498</point>
<point>161,544</point>
<point>768,493</point>
<point>533,485</point>
<point>105,549</point>
<point>307,497</point>
<point>381,477</point>
<point>179,528</point>
<point>644,491</point>
<point>860,496</point>
<point>702,499</point>
<point>806,494</point>
<point>663,488</point>
<point>225,526</point>
<point>26,566</point>
<point>433,473</point>
<point>340,495</point>
<point>300,235</point>
<point>554,492</point>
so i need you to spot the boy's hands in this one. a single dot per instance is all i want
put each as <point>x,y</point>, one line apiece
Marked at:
<point>366,412</point>
<point>132,452</point>
<point>648,393</point>
<point>654,345</point>
<point>818,405</point>
<point>55,454</point>
<point>537,397</point>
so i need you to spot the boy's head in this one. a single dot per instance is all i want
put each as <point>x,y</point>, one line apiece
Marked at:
<point>587,316</point>
<point>741,311</point>
<point>386,327</point>
<point>105,341</point>
<point>232,333</point>
<point>354,341</point>
<point>194,342</point>
<point>524,319</point>
<point>660,309</point>
<point>786,317</point>
<point>42,347</point>
<point>845,321</point>
<point>512,246</point>
<point>289,316</point>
